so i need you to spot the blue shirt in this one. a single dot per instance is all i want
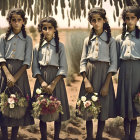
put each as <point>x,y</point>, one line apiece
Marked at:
<point>129,48</point>
<point>47,55</point>
<point>99,50</point>
<point>16,47</point>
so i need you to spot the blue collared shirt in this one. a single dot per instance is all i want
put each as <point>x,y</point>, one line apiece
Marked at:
<point>16,47</point>
<point>99,50</point>
<point>129,48</point>
<point>47,55</point>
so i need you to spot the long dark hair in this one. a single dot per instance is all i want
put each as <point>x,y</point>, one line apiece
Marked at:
<point>54,24</point>
<point>130,9</point>
<point>20,12</point>
<point>102,13</point>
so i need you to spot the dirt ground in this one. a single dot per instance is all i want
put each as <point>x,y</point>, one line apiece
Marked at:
<point>74,129</point>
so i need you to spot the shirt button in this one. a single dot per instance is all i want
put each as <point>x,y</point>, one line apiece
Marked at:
<point>47,62</point>
<point>14,43</point>
<point>97,49</point>
<point>14,50</point>
<point>13,56</point>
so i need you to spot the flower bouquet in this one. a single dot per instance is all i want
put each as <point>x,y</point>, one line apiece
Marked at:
<point>137,102</point>
<point>88,106</point>
<point>13,105</point>
<point>46,108</point>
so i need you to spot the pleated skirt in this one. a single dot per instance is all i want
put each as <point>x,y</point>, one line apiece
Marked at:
<point>128,87</point>
<point>23,83</point>
<point>96,73</point>
<point>48,73</point>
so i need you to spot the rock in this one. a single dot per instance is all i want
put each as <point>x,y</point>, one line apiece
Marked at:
<point>73,130</point>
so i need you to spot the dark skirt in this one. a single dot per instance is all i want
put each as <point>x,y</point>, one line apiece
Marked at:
<point>48,73</point>
<point>23,84</point>
<point>128,87</point>
<point>96,74</point>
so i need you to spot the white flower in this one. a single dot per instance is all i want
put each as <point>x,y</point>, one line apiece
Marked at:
<point>94,98</point>
<point>78,103</point>
<point>12,105</point>
<point>95,93</point>
<point>13,95</point>
<point>11,101</point>
<point>83,98</point>
<point>38,91</point>
<point>87,104</point>
<point>41,95</point>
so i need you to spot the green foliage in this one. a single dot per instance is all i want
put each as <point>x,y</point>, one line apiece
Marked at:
<point>45,7</point>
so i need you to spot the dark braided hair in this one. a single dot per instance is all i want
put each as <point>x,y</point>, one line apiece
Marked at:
<point>130,9</point>
<point>20,12</point>
<point>102,13</point>
<point>54,24</point>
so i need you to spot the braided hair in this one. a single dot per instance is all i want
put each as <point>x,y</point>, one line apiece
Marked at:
<point>20,12</point>
<point>130,9</point>
<point>102,13</point>
<point>54,24</point>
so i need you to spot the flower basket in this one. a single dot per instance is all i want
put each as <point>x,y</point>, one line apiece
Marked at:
<point>137,107</point>
<point>88,106</point>
<point>13,103</point>
<point>87,115</point>
<point>46,107</point>
<point>16,113</point>
<point>137,102</point>
<point>49,117</point>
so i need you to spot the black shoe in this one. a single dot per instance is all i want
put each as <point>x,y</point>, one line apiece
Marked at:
<point>126,137</point>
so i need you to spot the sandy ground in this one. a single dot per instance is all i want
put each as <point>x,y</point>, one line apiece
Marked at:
<point>74,129</point>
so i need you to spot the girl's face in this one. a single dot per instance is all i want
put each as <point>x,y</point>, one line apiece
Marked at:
<point>48,31</point>
<point>16,23</point>
<point>131,21</point>
<point>97,22</point>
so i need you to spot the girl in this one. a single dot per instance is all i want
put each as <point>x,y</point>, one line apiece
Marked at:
<point>98,64</point>
<point>129,63</point>
<point>50,67</point>
<point>15,58</point>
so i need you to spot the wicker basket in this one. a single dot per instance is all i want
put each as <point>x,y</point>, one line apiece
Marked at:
<point>16,112</point>
<point>49,117</point>
<point>137,107</point>
<point>87,115</point>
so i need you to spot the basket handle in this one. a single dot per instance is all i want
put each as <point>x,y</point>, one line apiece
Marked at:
<point>12,88</point>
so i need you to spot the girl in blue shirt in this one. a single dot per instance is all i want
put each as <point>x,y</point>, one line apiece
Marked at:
<point>50,67</point>
<point>98,64</point>
<point>15,58</point>
<point>128,49</point>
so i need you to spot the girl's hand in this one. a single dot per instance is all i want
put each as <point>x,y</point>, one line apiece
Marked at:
<point>10,80</point>
<point>44,86</point>
<point>88,86</point>
<point>51,88</point>
<point>104,90</point>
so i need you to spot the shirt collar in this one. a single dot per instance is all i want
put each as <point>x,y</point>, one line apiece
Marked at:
<point>103,36</point>
<point>52,42</point>
<point>20,35</point>
<point>130,33</point>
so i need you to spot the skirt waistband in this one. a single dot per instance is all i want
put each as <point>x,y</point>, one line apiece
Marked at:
<point>48,66</point>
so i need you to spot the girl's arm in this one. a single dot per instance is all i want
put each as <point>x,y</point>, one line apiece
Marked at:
<point>88,86</point>
<point>42,82</point>
<point>10,79</point>
<point>105,88</point>
<point>52,86</point>
<point>20,72</point>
